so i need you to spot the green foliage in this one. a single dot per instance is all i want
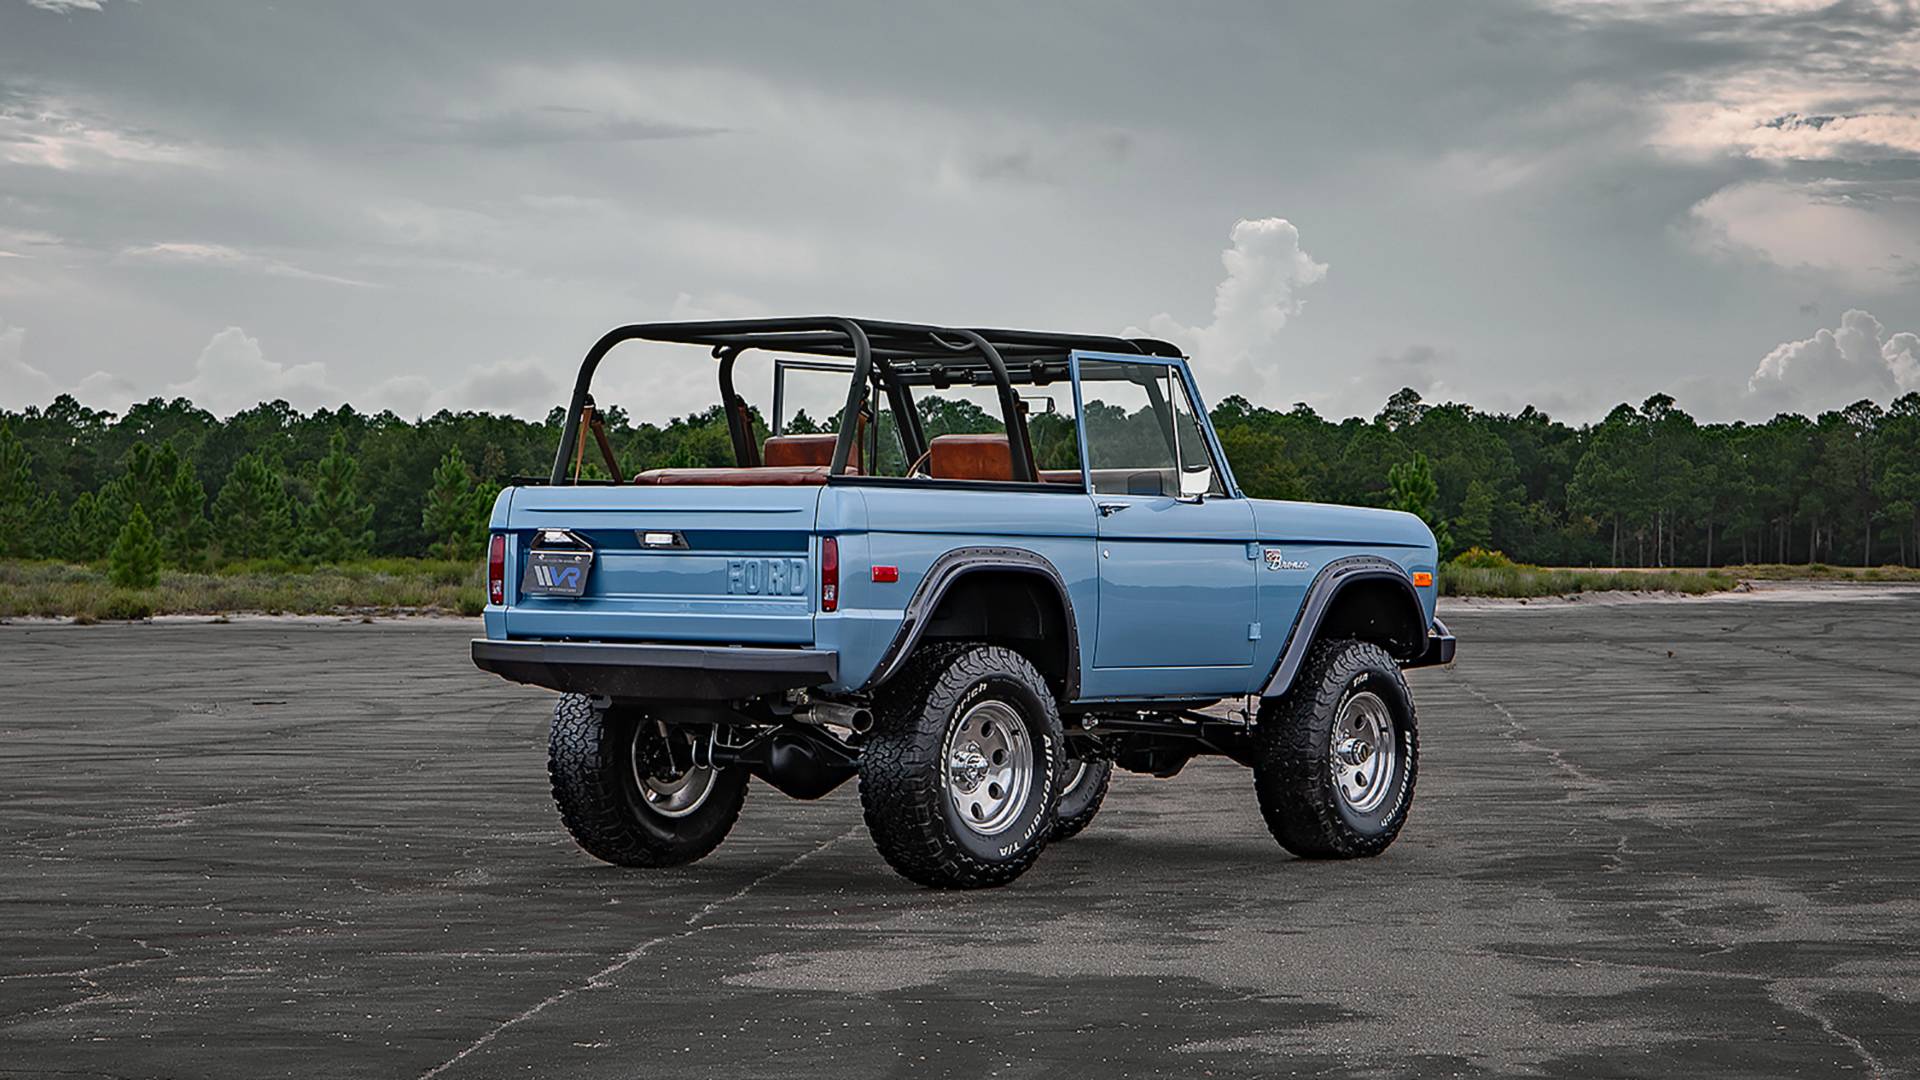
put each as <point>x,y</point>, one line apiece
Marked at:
<point>85,537</point>
<point>1479,558</point>
<point>1473,527</point>
<point>334,524</point>
<point>252,516</point>
<point>134,562</point>
<point>456,509</point>
<point>24,511</point>
<point>185,532</point>
<point>1647,486</point>
<point>1412,488</point>
<point>1260,464</point>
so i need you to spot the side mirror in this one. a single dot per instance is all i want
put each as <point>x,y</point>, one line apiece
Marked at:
<point>1195,483</point>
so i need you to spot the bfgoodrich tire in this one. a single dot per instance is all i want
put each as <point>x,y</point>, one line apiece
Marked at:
<point>1338,755</point>
<point>1083,787</point>
<point>961,771</point>
<point>628,792</point>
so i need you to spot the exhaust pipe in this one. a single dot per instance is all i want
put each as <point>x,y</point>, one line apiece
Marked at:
<point>857,718</point>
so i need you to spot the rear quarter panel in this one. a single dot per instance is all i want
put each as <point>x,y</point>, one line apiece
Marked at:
<point>908,528</point>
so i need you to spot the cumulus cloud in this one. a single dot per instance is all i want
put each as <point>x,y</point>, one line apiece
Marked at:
<point>526,387</point>
<point>224,257</point>
<point>21,384</point>
<point>233,373</point>
<point>1858,359</point>
<point>1266,270</point>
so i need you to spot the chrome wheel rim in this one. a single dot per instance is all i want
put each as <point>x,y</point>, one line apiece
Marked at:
<point>1363,752</point>
<point>988,769</point>
<point>673,795</point>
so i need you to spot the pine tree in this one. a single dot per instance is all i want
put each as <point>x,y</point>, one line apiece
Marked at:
<point>251,515</point>
<point>143,486</point>
<point>334,524</point>
<point>1411,487</point>
<point>23,509</point>
<point>453,516</point>
<point>185,532</point>
<point>1473,528</point>
<point>135,560</point>
<point>86,535</point>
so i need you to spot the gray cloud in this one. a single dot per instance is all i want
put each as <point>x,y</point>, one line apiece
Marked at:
<point>550,124</point>
<point>1610,197</point>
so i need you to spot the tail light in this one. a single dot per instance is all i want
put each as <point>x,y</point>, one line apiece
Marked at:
<point>497,569</point>
<point>829,574</point>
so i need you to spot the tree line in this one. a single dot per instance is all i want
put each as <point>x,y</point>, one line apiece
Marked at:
<point>169,484</point>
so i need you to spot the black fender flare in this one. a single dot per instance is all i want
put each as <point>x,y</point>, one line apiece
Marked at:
<point>1326,587</point>
<point>940,579</point>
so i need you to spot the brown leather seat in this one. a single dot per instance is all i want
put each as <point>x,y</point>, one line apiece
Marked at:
<point>816,449</point>
<point>800,449</point>
<point>970,457</point>
<point>765,476</point>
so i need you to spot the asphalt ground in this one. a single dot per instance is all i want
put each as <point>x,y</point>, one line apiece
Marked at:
<point>1659,840</point>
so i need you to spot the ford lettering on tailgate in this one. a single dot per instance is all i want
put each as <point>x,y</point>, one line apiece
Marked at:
<point>766,577</point>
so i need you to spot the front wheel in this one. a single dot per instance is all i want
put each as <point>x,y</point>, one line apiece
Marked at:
<point>628,790</point>
<point>1337,756</point>
<point>960,773</point>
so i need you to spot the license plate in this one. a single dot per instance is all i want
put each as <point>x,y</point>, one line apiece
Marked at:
<point>556,573</point>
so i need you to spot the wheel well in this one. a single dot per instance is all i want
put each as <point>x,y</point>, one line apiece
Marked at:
<point>1377,610</point>
<point>1016,608</point>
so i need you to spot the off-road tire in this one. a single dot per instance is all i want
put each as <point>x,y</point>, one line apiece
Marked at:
<point>590,753</point>
<point>1294,775</point>
<point>904,776</point>
<point>1079,804</point>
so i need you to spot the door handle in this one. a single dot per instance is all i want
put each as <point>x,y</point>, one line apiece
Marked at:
<point>1110,509</point>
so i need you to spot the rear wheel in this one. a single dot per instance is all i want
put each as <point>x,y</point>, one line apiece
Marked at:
<point>628,790</point>
<point>1337,756</point>
<point>1083,788</point>
<point>960,773</point>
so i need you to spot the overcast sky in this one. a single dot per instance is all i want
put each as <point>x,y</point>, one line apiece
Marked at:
<point>422,205</point>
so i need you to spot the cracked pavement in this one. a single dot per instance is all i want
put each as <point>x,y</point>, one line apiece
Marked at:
<point>1674,838</point>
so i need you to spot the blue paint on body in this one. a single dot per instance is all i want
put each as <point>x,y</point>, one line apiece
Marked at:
<point>1172,598</point>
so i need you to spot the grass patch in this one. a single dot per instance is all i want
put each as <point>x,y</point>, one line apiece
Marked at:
<point>438,586</point>
<point>1529,581</point>
<point>1492,574</point>
<point>1823,572</point>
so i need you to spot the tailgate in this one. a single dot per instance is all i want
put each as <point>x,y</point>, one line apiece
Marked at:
<point>729,565</point>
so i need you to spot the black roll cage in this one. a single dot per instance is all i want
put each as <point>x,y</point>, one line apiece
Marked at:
<point>888,357</point>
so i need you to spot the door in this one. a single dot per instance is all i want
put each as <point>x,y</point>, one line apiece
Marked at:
<point>1176,577</point>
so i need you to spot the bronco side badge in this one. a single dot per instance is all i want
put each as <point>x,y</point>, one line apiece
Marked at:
<point>1277,560</point>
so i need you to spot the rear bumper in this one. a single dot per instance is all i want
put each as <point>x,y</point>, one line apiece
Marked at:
<point>1439,648</point>
<point>655,672</point>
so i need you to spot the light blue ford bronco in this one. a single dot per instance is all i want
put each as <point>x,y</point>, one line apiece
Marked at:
<point>1006,563</point>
